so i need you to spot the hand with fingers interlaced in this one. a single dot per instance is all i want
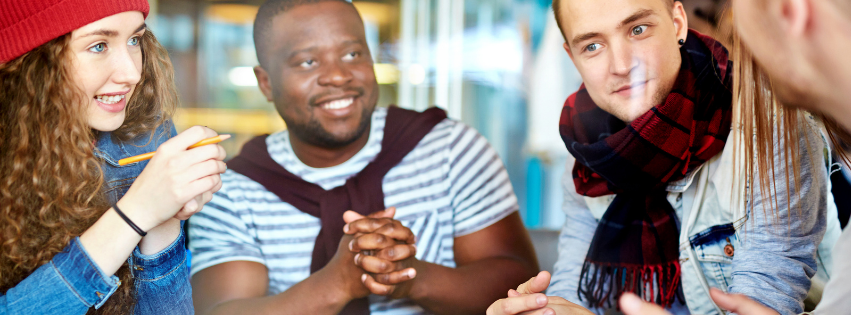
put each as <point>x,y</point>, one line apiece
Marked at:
<point>384,250</point>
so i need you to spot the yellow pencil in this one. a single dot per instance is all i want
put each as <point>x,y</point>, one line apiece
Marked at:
<point>148,156</point>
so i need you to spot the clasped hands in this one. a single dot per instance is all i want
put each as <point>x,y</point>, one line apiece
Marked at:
<point>376,255</point>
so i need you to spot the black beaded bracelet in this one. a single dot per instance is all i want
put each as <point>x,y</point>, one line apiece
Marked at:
<point>130,223</point>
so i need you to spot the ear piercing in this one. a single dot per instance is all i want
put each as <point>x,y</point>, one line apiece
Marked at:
<point>682,42</point>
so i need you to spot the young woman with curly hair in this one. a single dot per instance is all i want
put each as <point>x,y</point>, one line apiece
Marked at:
<point>84,83</point>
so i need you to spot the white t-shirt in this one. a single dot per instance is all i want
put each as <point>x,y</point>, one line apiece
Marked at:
<point>837,293</point>
<point>452,184</point>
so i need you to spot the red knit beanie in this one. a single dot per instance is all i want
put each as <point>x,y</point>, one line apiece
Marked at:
<point>27,24</point>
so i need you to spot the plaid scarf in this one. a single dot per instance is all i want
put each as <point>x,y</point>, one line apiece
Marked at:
<point>635,248</point>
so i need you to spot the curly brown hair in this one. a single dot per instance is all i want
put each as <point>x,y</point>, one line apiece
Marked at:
<point>51,184</point>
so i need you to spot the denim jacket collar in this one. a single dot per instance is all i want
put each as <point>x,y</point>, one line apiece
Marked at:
<point>111,150</point>
<point>118,178</point>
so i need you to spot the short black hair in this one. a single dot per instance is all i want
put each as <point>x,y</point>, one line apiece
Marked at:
<point>263,23</point>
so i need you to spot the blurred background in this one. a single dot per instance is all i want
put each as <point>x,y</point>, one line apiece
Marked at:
<point>496,65</point>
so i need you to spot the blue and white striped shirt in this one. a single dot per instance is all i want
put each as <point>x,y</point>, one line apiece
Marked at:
<point>452,184</point>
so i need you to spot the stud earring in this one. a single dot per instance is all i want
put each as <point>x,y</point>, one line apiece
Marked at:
<point>682,42</point>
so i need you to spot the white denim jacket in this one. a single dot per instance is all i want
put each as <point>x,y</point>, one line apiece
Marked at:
<point>769,259</point>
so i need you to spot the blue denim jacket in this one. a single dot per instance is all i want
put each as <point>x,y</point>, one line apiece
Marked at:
<point>71,283</point>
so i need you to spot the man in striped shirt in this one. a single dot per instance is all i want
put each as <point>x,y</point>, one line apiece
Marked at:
<point>252,252</point>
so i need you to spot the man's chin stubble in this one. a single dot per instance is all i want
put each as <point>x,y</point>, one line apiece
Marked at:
<point>314,134</point>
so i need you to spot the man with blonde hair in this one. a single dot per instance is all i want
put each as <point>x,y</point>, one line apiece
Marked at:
<point>656,202</point>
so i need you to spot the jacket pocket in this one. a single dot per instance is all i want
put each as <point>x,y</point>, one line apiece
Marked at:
<point>715,248</point>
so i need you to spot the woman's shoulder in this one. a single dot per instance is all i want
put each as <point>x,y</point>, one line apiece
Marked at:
<point>154,139</point>
<point>110,149</point>
<point>118,178</point>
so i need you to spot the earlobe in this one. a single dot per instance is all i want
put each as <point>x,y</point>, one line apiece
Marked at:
<point>263,82</point>
<point>796,14</point>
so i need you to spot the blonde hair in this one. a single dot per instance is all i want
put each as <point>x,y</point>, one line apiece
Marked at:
<point>766,127</point>
<point>556,4</point>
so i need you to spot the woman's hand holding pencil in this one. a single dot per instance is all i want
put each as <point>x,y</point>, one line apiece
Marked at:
<point>149,155</point>
<point>181,177</point>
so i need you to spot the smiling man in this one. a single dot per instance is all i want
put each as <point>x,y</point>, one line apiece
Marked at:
<point>654,205</point>
<point>274,239</point>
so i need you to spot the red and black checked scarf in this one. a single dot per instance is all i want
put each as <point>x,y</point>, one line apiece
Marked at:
<point>635,248</point>
<point>362,193</point>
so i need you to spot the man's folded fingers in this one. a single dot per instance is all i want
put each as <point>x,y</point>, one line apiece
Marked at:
<point>366,225</point>
<point>375,287</point>
<point>396,277</point>
<point>397,252</point>
<point>374,264</point>
<point>371,241</point>
<point>397,231</point>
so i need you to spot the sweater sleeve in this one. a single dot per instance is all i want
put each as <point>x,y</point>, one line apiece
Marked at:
<point>777,254</point>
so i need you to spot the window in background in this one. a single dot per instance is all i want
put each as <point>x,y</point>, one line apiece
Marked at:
<point>478,59</point>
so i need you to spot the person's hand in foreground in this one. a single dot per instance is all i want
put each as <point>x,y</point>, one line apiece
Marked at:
<point>528,299</point>
<point>631,304</point>
<point>385,250</point>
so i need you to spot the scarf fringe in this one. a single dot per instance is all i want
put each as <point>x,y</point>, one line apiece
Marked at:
<point>602,284</point>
